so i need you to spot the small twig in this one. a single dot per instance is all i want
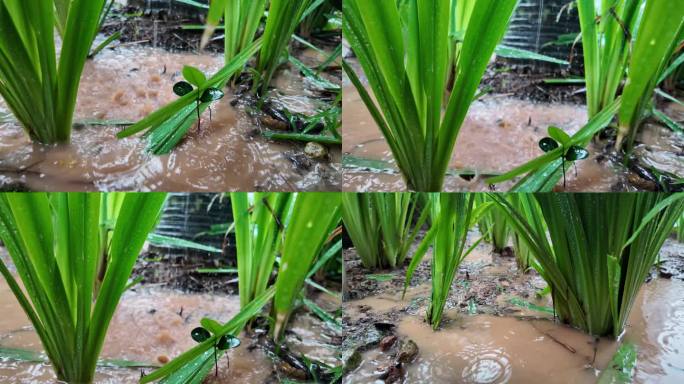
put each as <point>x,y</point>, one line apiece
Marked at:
<point>545,333</point>
<point>133,43</point>
<point>566,346</point>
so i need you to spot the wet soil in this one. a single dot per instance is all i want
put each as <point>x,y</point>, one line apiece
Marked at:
<point>172,26</point>
<point>159,26</point>
<point>183,273</point>
<point>225,153</point>
<point>486,338</point>
<point>508,77</point>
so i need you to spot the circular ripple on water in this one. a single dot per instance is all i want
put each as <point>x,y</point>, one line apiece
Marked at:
<point>486,364</point>
<point>441,369</point>
<point>671,339</point>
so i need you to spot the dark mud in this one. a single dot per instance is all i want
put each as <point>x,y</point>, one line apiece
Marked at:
<point>183,273</point>
<point>506,77</point>
<point>170,25</point>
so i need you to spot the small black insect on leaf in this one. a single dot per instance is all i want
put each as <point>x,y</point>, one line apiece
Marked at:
<point>200,334</point>
<point>182,88</point>
<point>548,144</point>
<point>211,94</point>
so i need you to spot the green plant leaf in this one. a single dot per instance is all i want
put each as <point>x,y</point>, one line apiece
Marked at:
<point>559,135</point>
<point>194,76</point>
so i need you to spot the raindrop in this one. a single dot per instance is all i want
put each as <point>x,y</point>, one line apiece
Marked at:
<point>227,342</point>
<point>211,94</point>
<point>200,334</point>
<point>548,144</point>
<point>182,88</point>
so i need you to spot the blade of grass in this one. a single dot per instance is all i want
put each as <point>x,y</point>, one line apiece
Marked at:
<point>316,215</point>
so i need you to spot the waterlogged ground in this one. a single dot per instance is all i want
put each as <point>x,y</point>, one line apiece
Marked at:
<point>152,325</point>
<point>485,338</point>
<point>500,133</point>
<point>226,153</point>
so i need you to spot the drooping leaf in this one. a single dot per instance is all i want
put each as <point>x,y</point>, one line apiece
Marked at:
<point>559,135</point>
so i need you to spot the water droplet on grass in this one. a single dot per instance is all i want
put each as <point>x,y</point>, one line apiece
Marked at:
<point>200,334</point>
<point>182,88</point>
<point>227,342</point>
<point>211,94</point>
<point>576,153</point>
<point>548,144</point>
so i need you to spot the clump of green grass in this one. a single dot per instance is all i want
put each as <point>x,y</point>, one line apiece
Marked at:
<point>241,18</point>
<point>315,216</point>
<point>56,244</point>
<point>258,220</point>
<point>494,226</point>
<point>530,210</point>
<point>284,17</point>
<point>381,226</point>
<point>452,216</point>
<point>627,41</point>
<point>39,88</point>
<point>407,58</point>
<point>597,252</point>
<point>660,33</point>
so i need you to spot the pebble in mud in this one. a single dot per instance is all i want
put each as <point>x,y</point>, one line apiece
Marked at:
<point>393,374</point>
<point>315,150</point>
<point>351,359</point>
<point>387,342</point>
<point>291,371</point>
<point>274,124</point>
<point>408,351</point>
<point>165,338</point>
<point>120,98</point>
<point>163,359</point>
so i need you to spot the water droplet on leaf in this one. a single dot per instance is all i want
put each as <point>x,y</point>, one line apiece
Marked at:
<point>548,144</point>
<point>227,342</point>
<point>211,94</point>
<point>200,334</point>
<point>576,153</point>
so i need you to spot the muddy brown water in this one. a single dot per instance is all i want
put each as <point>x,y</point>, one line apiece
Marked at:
<point>127,84</point>
<point>499,134</point>
<point>526,347</point>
